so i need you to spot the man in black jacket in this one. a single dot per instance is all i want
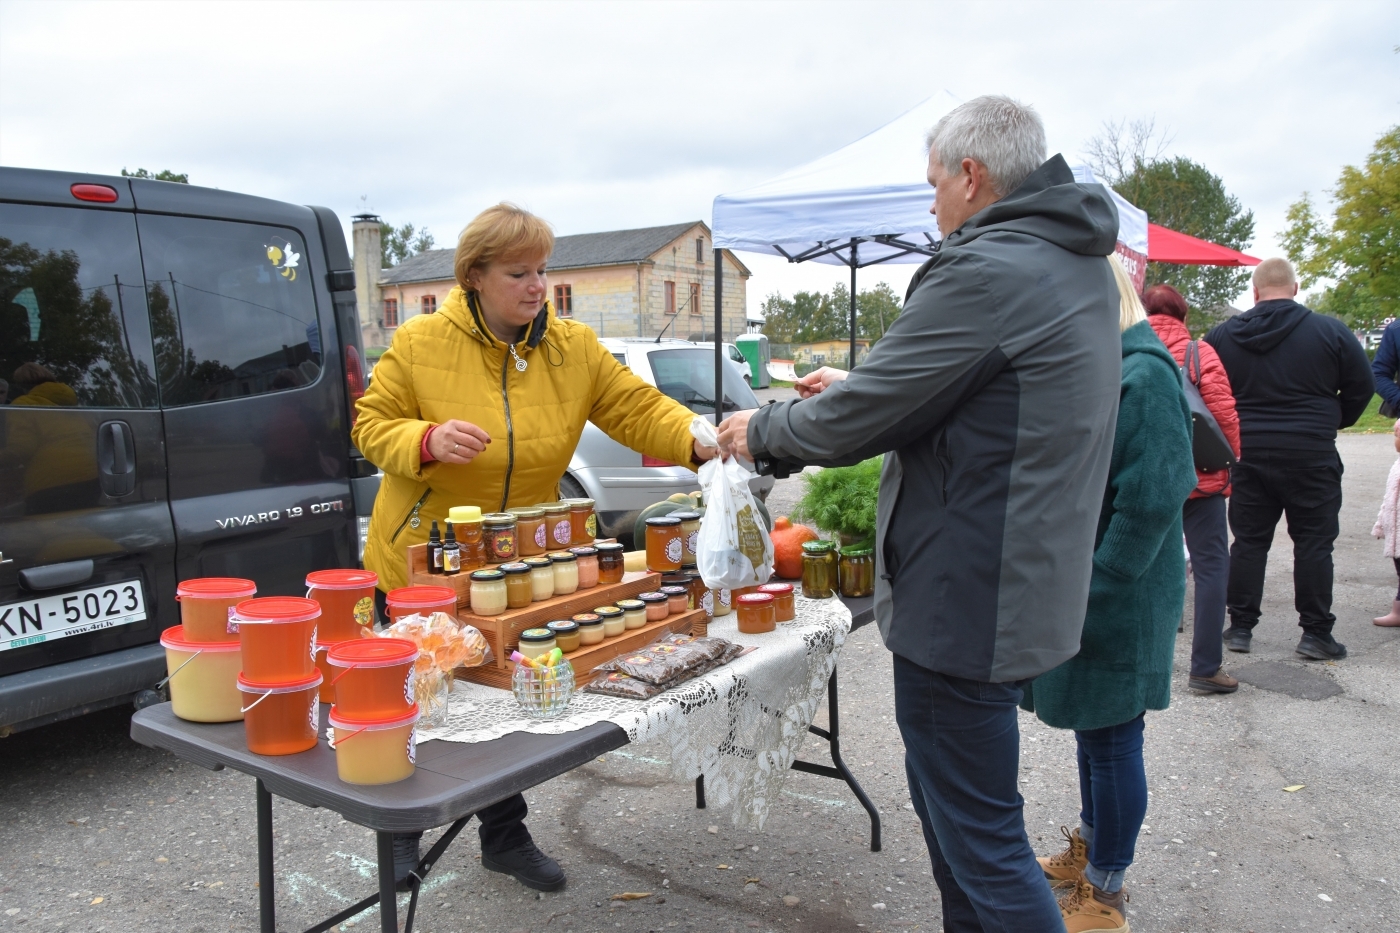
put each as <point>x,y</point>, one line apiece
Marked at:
<point>1298,376</point>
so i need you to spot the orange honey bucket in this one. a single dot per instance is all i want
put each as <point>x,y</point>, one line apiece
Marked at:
<point>421,600</point>
<point>203,677</point>
<point>327,672</point>
<point>374,750</point>
<point>205,603</point>
<point>347,601</point>
<point>278,637</point>
<point>280,718</point>
<point>374,677</point>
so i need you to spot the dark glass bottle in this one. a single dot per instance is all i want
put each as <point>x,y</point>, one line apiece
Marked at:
<point>451,553</point>
<point>435,550</point>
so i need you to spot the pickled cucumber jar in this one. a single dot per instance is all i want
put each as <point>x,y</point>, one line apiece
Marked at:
<point>856,570</point>
<point>818,570</point>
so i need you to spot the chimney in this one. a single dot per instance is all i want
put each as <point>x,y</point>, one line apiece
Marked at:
<point>368,256</point>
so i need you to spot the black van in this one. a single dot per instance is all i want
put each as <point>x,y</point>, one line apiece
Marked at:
<point>178,373</point>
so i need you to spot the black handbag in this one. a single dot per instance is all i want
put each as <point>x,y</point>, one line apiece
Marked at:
<point>1208,444</point>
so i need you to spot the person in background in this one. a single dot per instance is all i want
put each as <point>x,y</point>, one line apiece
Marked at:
<point>1203,516</point>
<point>1387,527</point>
<point>1385,367</point>
<point>1298,377</point>
<point>993,396</point>
<point>1124,664</point>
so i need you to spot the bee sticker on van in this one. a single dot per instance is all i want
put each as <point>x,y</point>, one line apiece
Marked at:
<point>283,258</point>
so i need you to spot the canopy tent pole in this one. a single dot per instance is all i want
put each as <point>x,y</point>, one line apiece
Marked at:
<point>855,264</point>
<point>719,335</point>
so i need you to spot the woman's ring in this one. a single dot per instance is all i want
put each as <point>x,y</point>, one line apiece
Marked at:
<point>454,447</point>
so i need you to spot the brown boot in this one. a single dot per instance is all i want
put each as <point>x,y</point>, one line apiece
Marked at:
<point>1390,620</point>
<point>1065,868</point>
<point>1219,682</point>
<point>1087,909</point>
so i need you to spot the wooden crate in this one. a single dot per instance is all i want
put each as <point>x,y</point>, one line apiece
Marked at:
<point>461,583</point>
<point>589,657</point>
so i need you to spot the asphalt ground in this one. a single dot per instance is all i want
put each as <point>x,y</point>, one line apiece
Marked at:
<point>100,834</point>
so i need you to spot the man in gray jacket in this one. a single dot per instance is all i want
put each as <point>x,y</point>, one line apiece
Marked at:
<point>994,397</point>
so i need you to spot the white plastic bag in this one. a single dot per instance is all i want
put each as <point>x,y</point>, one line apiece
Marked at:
<point>734,549</point>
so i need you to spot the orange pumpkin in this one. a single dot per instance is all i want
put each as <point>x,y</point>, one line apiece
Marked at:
<point>787,547</point>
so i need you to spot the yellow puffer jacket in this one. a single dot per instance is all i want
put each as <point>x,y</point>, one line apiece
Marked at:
<point>449,365</point>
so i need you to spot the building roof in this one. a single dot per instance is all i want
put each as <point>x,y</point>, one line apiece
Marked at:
<point>580,251</point>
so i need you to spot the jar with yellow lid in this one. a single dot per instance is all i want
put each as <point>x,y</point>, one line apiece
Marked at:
<point>467,527</point>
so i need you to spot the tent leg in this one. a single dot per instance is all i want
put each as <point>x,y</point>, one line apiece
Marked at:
<point>719,335</point>
<point>851,361</point>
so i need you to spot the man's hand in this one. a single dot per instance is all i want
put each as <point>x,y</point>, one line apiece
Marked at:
<point>816,381</point>
<point>457,442</point>
<point>734,435</point>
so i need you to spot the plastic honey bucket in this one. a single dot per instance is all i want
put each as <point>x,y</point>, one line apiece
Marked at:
<point>347,601</point>
<point>327,672</point>
<point>203,677</point>
<point>374,750</point>
<point>280,718</point>
<point>373,676</point>
<point>205,603</point>
<point>278,635</point>
<point>421,600</point>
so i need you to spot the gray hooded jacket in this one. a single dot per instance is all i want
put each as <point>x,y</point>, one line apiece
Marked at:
<point>994,395</point>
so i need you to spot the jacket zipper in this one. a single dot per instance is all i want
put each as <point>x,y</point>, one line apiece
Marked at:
<point>510,429</point>
<point>411,516</point>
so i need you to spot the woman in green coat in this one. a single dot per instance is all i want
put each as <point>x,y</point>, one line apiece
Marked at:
<point>1124,664</point>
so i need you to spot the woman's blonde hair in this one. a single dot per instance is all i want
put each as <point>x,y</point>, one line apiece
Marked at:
<point>500,232</point>
<point>1130,309</point>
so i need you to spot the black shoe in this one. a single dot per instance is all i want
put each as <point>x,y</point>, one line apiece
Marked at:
<point>1237,639</point>
<point>1318,648</point>
<point>529,865</point>
<point>406,858</point>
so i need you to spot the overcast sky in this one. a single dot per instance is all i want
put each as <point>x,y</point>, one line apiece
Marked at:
<point>612,115</point>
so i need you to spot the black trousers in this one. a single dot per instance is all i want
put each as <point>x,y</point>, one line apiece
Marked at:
<point>1208,540</point>
<point>1306,488</point>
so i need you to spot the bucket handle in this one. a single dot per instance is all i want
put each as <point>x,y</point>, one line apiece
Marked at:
<point>179,669</point>
<point>257,701</point>
<point>330,739</point>
<point>345,670</point>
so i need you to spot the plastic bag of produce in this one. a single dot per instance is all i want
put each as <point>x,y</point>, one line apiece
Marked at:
<point>733,549</point>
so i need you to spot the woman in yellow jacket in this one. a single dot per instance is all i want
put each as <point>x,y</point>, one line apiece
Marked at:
<point>483,403</point>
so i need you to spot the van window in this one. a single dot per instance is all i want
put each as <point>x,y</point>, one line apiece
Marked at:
<point>688,376</point>
<point>73,330</point>
<point>232,309</point>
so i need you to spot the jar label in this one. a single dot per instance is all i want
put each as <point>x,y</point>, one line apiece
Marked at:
<point>750,539</point>
<point>673,550</point>
<point>707,602</point>
<point>563,534</point>
<point>692,541</point>
<point>312,646</point>
<point>364,611</point>
<point>232,621</point>
<point>408,691</point>
<point>503,544</point>
<point>541,540</point>
<point>591,525</point>
<point>311,710</point>
<point>724,597</point>
<point>412,746</point>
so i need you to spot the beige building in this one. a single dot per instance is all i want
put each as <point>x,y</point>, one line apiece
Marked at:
<point>622,283</point>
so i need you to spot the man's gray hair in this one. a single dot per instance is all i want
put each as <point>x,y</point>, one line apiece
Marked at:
<point>1005,136</point>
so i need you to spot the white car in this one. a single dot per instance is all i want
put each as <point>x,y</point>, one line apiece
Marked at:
<point>621,481</point>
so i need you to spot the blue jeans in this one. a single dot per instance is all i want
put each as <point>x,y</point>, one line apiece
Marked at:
<point>1113,799</point>
<point>962,751</point>
<point>1208,540</point>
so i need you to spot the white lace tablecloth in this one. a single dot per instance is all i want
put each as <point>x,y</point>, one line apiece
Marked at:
<point>739,725</point>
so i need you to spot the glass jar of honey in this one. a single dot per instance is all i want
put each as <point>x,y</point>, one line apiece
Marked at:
<point>488,593</point>
<point>610,563</point>
<point>657,604</point>
<point>690,534</point>
<point>677,599</point>
<point>664,545</point>
<point>535,642</point>
<point>614,620</point>
<point>557,530</point>
<point>582,521</point>
<point>784,601</point>
<point>857,572</point>
<point>467,527</point>
<point>529,530</point>
<point>565,566</point>
<point>518,590</point>
<point>498,528</point>
<point>756,613</point>
<point>587,566</point>
<point>634,612</point>
<point>541,578</point>
<point>818,569</point>
<point>722,599</point>
<point>566,636</point>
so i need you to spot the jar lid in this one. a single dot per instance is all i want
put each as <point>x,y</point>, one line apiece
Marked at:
<point>777,589</point>
<point>277,609</point>
<point>816,547</point>
<point>537,635</point>
<point>586,550</point>
<point>857,551</point>
<point>216,588</point>
<point>487,576</point>
<point>690,568</point>
<point>174,637</point>
<point>663,521</point>
<point>756,599</point>
<point>686,516</point>
<point>580,503</point>
<point>553,508</point>
<point>421,597</point>
<point>607,612</point>
<point>372,652</point>
<point>341,579</point>
<point>673,579</point>
<point>372,724</point>
<point>610,547</point>
<point>287,686</point>
<point>562,557</point>
<point>586,618</point>
<point>652,597</point>
<point>535,563</point>
<point>526,511</point>
<point>498,518</point>
<point>563,625</point>
<point>462,514</point>
<point>514,567</point>
<point>675,590</point>
<point>630,605</point>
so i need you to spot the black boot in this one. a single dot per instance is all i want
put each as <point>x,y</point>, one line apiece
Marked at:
<point>406,858</point>
<point>1321,647</point>
<point>1238,639</point>
<point>528,865</point>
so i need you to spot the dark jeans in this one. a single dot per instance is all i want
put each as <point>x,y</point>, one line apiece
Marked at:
<point>962,754</point>
<point>1306,487</point>
<point>1208,540</point>
<point>502,824</point>
<point>1112,798</point>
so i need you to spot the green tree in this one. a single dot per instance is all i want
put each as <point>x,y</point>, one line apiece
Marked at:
<point>1359,250</point>
<point>402,243</point>
<point>163,175</point>
<point>876,309</point>
<point>809,317</point>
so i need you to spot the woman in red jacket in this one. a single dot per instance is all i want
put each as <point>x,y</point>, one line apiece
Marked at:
<point>1203,516</point>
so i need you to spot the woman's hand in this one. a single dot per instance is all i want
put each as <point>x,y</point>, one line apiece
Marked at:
<point>457,442</point>
<point>703,453</point>
<point>817,381</point>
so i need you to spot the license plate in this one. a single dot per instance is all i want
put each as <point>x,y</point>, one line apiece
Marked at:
<point>45,618</point>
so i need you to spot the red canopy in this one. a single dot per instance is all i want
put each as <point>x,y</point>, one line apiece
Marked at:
<point>1165,245</point>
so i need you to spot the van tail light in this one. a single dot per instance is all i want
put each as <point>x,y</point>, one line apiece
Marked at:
<point>653,462</point>
<point>102,194</point>
<point>354,380</point>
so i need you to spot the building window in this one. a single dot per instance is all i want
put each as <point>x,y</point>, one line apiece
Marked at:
<point>670,297</point>
<point>700,250</point>
<point>391,312</point>
<point>695,299</point>
<point>564,300</point>
<point>429,304</point>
